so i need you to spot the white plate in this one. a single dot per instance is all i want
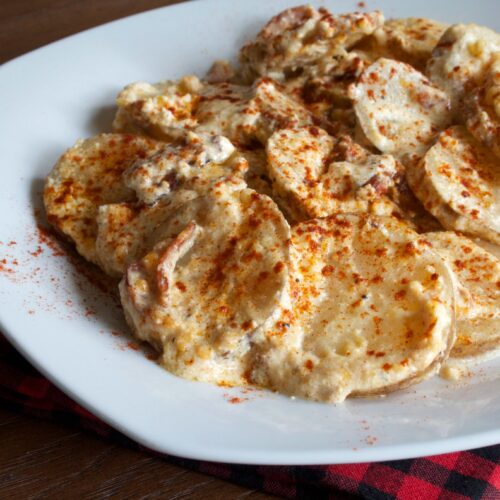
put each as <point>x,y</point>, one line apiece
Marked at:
<point>59,93</point>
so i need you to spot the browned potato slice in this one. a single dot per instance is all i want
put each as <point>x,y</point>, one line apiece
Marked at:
<point>253,115</point>
<point>163,110</point>
<point>410,40</point>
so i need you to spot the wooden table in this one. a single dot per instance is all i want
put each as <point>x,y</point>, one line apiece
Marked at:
<point>40,458</point>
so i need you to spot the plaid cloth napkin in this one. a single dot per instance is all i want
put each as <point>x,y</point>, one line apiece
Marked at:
<point>470,474</point>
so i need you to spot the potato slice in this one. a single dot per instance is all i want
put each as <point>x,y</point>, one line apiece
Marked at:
<point>198,296</point>
<point>127,231</point>
<point>410,40</point>
<point>372,311</point>
<point>163,110</point>
<point>482,109</point>
<point>478,301</point>
<point>194,164</point>
<point>243,114</point>
<point>300,37</point>
<point>458,181</point>
<point>399,110</point>
<point>309,183</point>
<point>460,59</point>
<point>89,175</point>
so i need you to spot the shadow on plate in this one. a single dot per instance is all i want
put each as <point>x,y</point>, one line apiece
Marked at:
<point>95,294</point>
<point>101,120</point>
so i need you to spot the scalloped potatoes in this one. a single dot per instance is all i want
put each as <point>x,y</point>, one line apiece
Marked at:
<point>302,221</point>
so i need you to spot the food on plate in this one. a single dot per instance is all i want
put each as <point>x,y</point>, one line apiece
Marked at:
<point>200,294</point>
<point>399,110</point>
<point>478,297</point>
<point>482,108</point>
<point>310,184</point>
<point>242,113</point>
<point>321,219</point>
<point>460,58</point>
<point>410,40</point>
<point>89,175</point>
<point>300,39</point>
<point>458,181</point>
<point>371,311</point>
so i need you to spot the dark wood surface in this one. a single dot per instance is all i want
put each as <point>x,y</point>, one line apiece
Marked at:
<point>40,459</point>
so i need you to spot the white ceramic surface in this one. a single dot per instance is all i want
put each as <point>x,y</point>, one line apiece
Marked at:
<point>66,90</point>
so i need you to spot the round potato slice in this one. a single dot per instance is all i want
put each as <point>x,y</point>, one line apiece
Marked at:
<point>372,311</point>
<point>460,59</point>
<point>309,184</point>
<point>299,37</point>
<point>478,299</point>
<point>410,39</point>
<point>295,160</point>
<point>257,176</point>
<point>399,110</point>
<point>89,175</point>
<point>482,109</point>
<point>194,164</point>
<point>458,181</point>
<point>198,296</point>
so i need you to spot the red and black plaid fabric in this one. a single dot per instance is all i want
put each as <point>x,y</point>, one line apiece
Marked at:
<point>471,474</point>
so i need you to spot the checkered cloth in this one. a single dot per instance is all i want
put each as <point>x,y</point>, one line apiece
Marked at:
<point>469,474</point>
